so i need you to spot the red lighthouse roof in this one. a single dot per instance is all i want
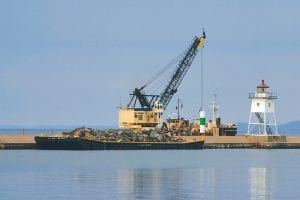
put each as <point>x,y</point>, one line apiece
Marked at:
<point>262,84</point>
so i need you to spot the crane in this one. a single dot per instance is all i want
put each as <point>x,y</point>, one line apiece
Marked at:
<point>151,106</point>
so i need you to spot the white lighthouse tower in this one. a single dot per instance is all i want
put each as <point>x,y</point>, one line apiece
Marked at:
<point>262,119</point>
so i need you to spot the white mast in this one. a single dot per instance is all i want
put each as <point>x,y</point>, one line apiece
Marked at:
<point>214,108</point>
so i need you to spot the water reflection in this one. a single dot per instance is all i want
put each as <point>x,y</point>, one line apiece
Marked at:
<point>258,182</point>
<point>166,183</point>
<point>132,175</point>
<point>139,183</point>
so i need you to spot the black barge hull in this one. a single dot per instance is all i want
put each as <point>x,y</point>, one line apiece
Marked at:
<point>65,143</point>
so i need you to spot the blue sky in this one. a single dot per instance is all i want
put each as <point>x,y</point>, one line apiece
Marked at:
<point>69,62</point>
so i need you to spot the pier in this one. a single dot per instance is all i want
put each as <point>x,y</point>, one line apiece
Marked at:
<point>249,142</point>
<point>17,142</point>
<point>211,142</point>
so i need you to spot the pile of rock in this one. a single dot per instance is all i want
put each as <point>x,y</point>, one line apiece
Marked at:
<point>124,135</point>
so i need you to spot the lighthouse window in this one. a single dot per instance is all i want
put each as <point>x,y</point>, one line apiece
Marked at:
<point>269,104</point>
<point>257,104</point>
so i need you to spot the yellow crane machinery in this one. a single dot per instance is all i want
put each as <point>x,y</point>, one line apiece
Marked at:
<point>144,111</point>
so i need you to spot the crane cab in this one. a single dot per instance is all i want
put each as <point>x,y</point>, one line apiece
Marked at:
<point>141,118</point>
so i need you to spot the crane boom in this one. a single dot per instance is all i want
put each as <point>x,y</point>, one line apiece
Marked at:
<point>181,70</point>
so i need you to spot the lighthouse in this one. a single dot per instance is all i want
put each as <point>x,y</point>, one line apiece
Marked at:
<point>262,119</point>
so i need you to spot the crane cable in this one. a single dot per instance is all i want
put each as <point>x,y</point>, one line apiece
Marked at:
<point>201,71</point>
<point>160,74</point>
<point>159,83</point>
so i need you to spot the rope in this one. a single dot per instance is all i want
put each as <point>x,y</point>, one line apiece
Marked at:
<point>161,76</point>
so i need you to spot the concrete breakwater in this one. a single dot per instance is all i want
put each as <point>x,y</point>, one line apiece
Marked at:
<point>250,142</point>
<point>17,142</point>
<point>211,142</point>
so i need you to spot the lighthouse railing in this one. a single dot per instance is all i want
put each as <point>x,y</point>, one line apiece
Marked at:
<point>262,95</point>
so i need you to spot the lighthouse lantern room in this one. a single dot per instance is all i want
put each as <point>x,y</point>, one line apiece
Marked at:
<point>262,119</point>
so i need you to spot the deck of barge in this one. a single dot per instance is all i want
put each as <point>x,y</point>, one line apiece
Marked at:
<point>211,142</point>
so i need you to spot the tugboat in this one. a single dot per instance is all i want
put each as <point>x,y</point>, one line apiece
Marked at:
<point>212,127</point>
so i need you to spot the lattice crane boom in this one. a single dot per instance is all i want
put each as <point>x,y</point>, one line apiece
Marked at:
<point>181,70</point>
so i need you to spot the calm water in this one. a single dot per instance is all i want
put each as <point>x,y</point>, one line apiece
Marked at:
<point>175,174</point>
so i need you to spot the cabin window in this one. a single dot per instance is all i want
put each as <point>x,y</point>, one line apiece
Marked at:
<point>140,117</point>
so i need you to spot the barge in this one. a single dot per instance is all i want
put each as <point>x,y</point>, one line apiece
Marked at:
<point>79,143</point>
